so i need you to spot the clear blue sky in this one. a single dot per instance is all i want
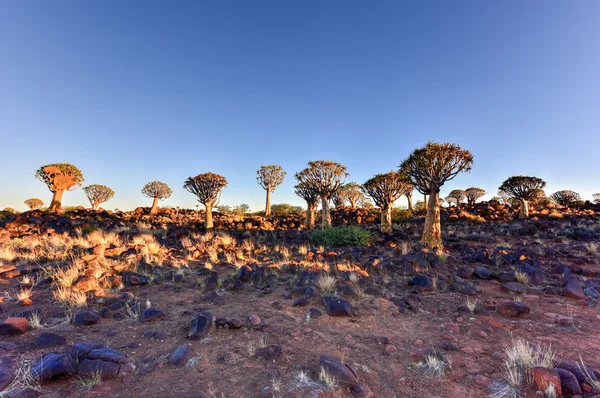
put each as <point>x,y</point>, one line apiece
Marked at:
<point>135,91</point>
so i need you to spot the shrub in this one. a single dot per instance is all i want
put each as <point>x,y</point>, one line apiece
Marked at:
<point>342,236</point>
<point>400,215</point>
<point>284,209</point>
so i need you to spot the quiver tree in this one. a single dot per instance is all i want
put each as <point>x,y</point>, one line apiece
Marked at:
<point>473,194</point>
<point>207,187</point>
<point>59,177</point>
<point>428,169</point>
<point>565,198</point>
<point>385,189</point>
<point>156,190</point>
<point>457,196</point>
<point>34,203</point>
<point>98,194</point>
<point>523,189</point>
<point>269,177</point>
<point>504,198</point>
<point>326,177</point>
<point>311,196</point>
<point>353,194</point>
<point>596,197</point>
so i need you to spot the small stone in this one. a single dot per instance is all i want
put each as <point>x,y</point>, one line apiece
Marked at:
<point>513,287</point>
<point>515,309</point>
<point>200,326</point>
<point>543,377</point>
<point>338,307</point>
<point>270,353</point>
<point>151,314</point>
<point>180,355</point>
<point>86,318</point>
<point>362,390</point>
<point>573,290</point>
<point>254,319</point>
<point>53,365</point>
<point>343,373</point>
<point>47,340</point>
<point>14,326</point>
<point>568,382</point>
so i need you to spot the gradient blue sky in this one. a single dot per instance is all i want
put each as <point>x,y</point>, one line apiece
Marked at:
<point>135,91</point>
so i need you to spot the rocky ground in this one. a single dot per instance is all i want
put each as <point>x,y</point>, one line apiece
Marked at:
<point>125,304</point>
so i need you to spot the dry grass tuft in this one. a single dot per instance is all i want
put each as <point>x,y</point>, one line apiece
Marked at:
<point>326,283</point>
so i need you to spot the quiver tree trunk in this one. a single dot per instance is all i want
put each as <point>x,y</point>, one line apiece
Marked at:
<point>268,204</point>
<point>409,199</point>
<point>95,206</point>
<point>524,211</point>
<point>432,233</point>
<point>208,217</point>
<point>310,216</point>
<point>386,219</point>
<point>56,204</point>
<point>325,217</point>
<point>154,208</point>
<point>425,206</point>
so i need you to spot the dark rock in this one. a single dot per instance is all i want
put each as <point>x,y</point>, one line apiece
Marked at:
<point>568,381</point>
<point>300,302</point>
<point>573,289</point>
<point>107,354</point>
<point>47,340</point>
<point>343,373</point>
<point>53,365</point>
<point>179,357</point>
<point>270,352</point>
<point>513,309</point>
<point>134,279</point>
<point>413,302</point>
<point>513,287</point>
<point>86,318</point>
<point>14,326</point>
<point>155,334</point>
<point>151,314</point>
<point>338,307</point>
<point>422,281</point>
<point>482,272</point>
<point>200,326</point>
<point>92,367</point>
<point>465,273</point>
<point>80,350</point>
<point>313,313</point>
<point>6,377</point>
<point>362,390</point>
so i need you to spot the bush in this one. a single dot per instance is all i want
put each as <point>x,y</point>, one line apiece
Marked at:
<point>400,215</point>
<point>284,209</point>
<point>342,236</point>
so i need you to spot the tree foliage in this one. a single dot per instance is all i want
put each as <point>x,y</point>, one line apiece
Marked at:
<point>34,203</point>
<point>157,190</point>
<point>565,197</point>
<point>207,187</point>
<point>596,197</point>
<point>98,194</point>
<point>430,167</point>
<point>60,176</point>
<point>457,196</point>
<point>348,193</point>
<point>523,187</point>
<point>270,177</point>
<point>473,194</point>
<point>385,189</point>
<point>325,176</point>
